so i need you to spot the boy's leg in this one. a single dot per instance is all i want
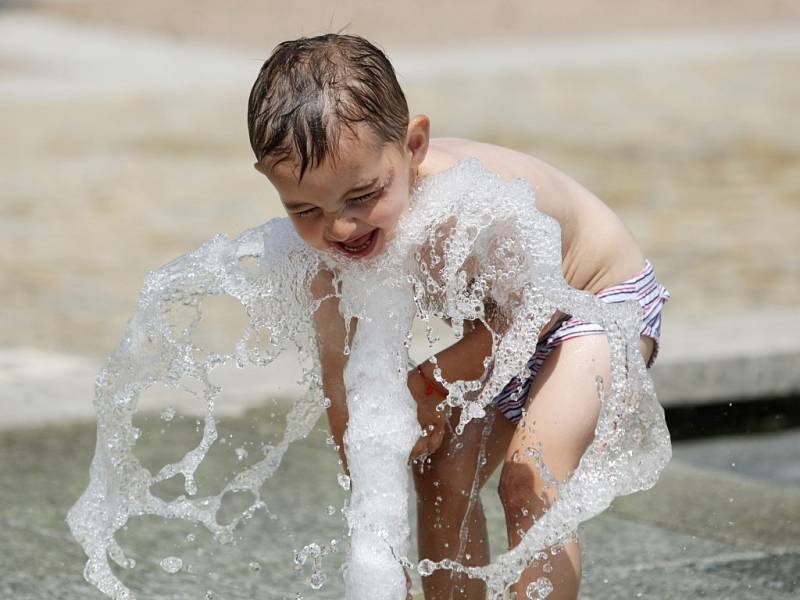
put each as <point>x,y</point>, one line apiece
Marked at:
<point>558,426</point>
<point>443,497</point>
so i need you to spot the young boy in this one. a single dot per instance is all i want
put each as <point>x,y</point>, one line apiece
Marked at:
<point>330,129</point>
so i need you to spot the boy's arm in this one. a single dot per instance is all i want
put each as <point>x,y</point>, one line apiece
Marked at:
<point>330,335</point>
<point>462,360</point>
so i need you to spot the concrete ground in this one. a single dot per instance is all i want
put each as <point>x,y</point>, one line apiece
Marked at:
<point>123,149</point>
<point>721,523</point>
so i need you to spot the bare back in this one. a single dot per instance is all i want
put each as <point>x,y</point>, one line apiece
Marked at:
<point>597,249</point>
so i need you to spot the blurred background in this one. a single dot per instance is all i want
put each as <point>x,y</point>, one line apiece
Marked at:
<point>125,145</point>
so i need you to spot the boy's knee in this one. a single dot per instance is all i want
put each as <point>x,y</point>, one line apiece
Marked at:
<point>517,488</point>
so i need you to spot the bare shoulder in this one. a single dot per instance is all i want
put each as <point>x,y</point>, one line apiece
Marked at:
<point>598,250</point>
<point>556,193</point>
<point>445,152</point>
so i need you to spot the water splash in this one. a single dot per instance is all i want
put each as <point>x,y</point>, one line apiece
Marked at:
<point>473,247</point>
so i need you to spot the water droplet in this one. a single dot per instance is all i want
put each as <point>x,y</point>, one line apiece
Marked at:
<point>241,453</point>
<point>255,567</point>
<point>425,567</point>
<point>541,588</point>
<point>318,579</point>
<point>343,480</point>
<point>171,564</point>
<point>168,414</point>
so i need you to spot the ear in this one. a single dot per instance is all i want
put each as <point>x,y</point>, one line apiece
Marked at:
<point>418,138</point>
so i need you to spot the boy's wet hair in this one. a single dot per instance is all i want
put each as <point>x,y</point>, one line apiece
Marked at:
<point>310,88</point>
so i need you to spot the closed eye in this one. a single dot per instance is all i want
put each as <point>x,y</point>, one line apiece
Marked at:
<point>307,213</point>
<point>366,197</point>
<point>353,201</point>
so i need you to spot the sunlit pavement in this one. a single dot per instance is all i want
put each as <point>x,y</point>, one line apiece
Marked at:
<point>721,523</point>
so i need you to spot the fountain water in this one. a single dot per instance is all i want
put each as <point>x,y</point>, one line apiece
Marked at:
<point>469,237</point>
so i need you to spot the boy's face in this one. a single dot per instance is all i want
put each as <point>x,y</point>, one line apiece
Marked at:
<point>350,205</point>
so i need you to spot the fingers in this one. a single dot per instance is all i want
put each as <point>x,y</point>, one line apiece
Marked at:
<point>419,449</point>
<point>429,443</point>
<point>435,440</point>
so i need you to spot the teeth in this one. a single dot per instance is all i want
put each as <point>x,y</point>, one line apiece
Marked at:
<point>357,248</point>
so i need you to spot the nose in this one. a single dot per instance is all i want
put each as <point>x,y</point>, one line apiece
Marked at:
<point>341,229</point>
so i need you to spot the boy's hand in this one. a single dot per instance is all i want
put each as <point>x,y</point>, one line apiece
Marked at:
<point>431,420</point>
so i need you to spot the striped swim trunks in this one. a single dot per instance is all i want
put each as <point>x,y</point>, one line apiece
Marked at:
<point>643,287</point>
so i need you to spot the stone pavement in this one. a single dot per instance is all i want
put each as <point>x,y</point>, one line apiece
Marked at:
<point>722,522</point>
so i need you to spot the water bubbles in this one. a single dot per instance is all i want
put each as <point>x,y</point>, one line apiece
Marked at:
<point>190,486</point>
<point>317,580</point>
<point>241,453</point>
<point>426,567</point>
<point>168,414</point>
<point>541,588</point>
<point>344,481</point>
<point>254,567</point>
<point>190,537</point>
<point>171,564</point>
<point>312,550</point>
<point>331,510</point>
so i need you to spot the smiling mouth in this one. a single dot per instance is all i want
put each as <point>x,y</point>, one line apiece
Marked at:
<point>360,246</point>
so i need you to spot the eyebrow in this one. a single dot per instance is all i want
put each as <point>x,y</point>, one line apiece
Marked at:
<point>358,188</point>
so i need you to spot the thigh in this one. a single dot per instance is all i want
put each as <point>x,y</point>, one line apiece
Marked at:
<point>560,417</point>
<point>476,452</point>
